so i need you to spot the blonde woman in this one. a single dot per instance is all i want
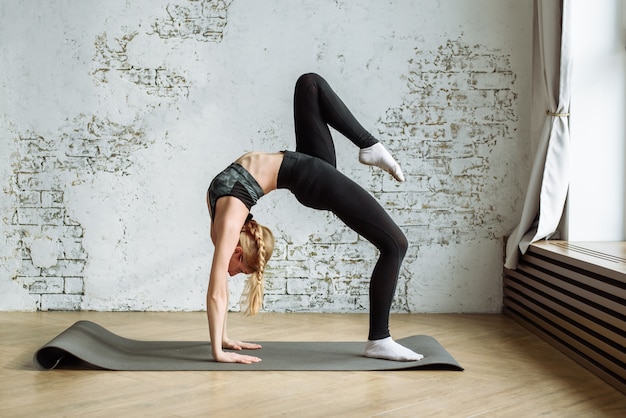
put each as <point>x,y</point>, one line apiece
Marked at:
<point>244,246</point>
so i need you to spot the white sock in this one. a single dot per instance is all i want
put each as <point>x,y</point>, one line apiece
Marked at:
<point>388,349</point>
<point>378,156</point>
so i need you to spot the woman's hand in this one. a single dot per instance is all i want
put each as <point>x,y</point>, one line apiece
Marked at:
<point>227,343</point>
<point>229,357</point>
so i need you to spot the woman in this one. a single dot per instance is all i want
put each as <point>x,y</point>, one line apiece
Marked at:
<point>244,246</point>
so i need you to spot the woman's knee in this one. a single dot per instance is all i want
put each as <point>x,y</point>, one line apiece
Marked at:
<point>402,243</point>
<point>394,243</point>
<point>307,80</point>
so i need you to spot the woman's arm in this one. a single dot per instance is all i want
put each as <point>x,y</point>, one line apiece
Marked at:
<point>230,216</point>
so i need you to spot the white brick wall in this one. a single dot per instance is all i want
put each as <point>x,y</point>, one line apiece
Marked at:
<point>119,114</point>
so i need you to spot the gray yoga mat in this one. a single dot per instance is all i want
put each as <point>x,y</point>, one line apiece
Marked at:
<point>91,346</point>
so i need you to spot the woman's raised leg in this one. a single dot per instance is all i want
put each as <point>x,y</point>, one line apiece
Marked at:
<point>316,107</point>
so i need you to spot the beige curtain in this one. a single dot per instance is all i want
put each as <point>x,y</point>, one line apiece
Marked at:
<point>549,177</point>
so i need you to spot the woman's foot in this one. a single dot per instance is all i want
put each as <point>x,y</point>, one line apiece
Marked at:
<point>378,156</point>
<point>388,349</point>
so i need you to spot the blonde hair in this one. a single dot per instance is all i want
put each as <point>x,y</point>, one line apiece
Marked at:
<point>257,242</point>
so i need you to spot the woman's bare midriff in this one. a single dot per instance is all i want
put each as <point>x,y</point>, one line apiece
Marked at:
<point>263,167</point>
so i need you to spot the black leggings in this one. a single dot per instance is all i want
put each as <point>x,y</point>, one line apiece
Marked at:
<point>310,174</point>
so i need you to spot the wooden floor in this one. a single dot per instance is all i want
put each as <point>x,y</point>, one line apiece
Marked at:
<point>509,372</point>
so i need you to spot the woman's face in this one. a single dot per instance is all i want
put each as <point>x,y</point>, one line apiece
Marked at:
<point>237,264</point>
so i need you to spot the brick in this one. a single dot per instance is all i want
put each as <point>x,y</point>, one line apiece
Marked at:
<point>78,147</point>
<point>470,185</point>
<point>471,98</point>
<point>215,9</point>
<point>67,220</point>
<point>317,303</point>
<point>73,268</point>
<point>60,302</point>
<point>415,182</point>
<point>141,76</point>
<point>36,146</point>
<point>44,285</point>
<point>483,63</point>
<point>166,79</point>
<point>305,252</point>
<point>112,164</point>
<point>275,285</point>
<point>409,216</point>
<point>29,198</point>
<point>66,231</point>
<point>502,63</point>
<point>203,21</point>
<point>74,285</point>
<point>433,115</point>
<point>361,303</point>
<point>23,252</point>
<point>352,287</point>
<point>286,303</point>
<point>28,269</point>
<point>341,268</point>
<point>40,181</point>
<point>391,201</point>
<point>54,164</point>
<point>73,250</point>
<point>285,268</point>
<point>40,216</point>
<point>191,10</point>
<point>505,98</point>
<point>449,150</point>
<point>467,166</point>
<point>442,80</point>
<point>355,252</point>
<point>306,286</point>
<point>339,251</point>
<point>31,163</point>
<point>501,80</point>
<point>158,81</point>
<point>280,249</point>
<point>335,231</point>
<point>451,218</point>
<point>30,230</point>
<point>419,234</point>
<point>490,115</point>
<point>51,198</point>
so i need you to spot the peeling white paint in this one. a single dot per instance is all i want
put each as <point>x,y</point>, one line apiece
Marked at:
<point>118,114</point>
<point>44,250</point>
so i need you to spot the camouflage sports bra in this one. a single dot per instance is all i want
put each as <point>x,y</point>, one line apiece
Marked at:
<point>234,181</point>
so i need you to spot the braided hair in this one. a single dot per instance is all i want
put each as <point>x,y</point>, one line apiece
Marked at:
<point>257,242</point>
